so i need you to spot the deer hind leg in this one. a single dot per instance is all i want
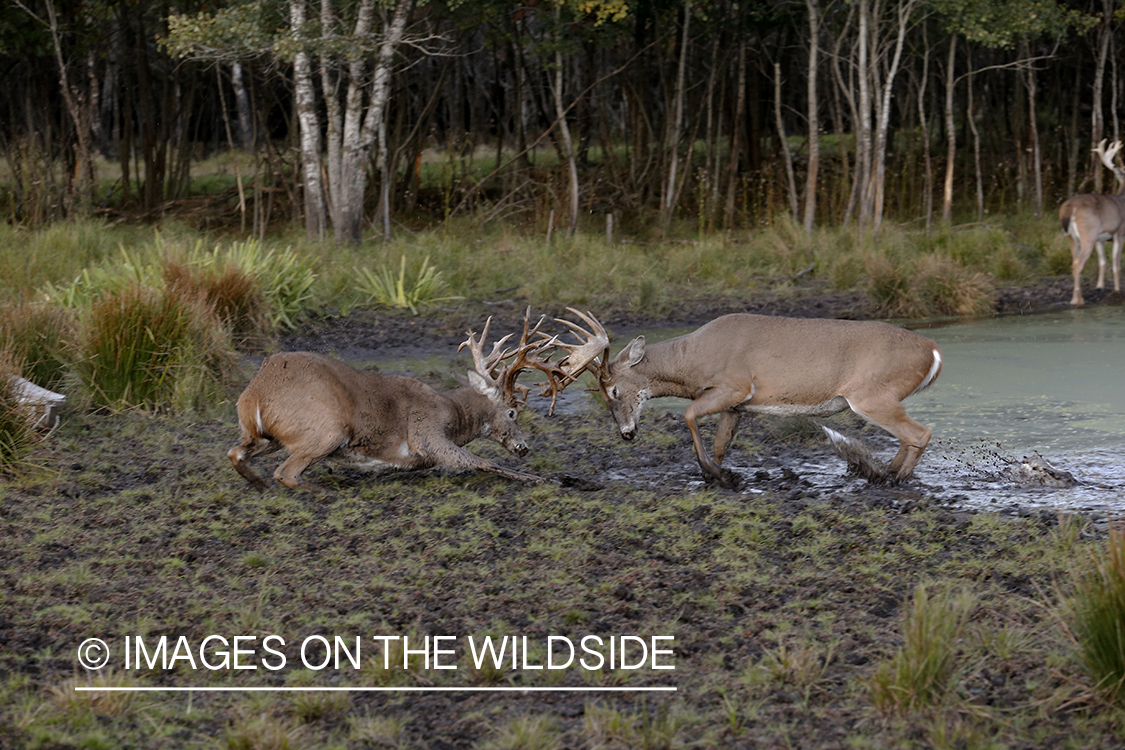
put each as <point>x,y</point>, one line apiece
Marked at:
<point>250,447</point>
<point>1080,249</point>
<point>913,437</point>
<point>448,454</point>
<point>305,452</point>
<point>1117,239</point>
<point>725,432</point>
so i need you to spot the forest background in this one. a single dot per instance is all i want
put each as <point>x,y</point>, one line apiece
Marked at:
<point>643,116</point>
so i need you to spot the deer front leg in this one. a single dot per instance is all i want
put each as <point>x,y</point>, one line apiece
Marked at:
<point>1117,240</point>
<point>1100,247</point>
<point>452,456</point>
<point>713,401</point>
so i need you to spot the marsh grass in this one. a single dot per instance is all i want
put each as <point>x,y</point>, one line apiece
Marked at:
<point>17,437</point>
<point>154,350</point>
<point>235,295</point>
<point>1095,616</point>
<point>41,337</point>
<point>919,674</point>
<point>525,732</point>
<point>265,731</point>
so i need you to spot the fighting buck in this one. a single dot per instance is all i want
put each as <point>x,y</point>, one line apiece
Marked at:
<point>316,407</point>
<point>1089,219</point>
<point>771,365</point>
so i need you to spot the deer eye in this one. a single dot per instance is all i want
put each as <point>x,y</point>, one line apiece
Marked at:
<point>512,414</point>
<point>613,392</point>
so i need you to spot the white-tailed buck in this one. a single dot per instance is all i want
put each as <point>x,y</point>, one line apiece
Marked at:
<point>317,407</point>
<point>1089,219</point>
<point>770,365</point>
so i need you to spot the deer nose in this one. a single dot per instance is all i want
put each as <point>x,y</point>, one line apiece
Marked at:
<point>628,432</point>
<point>520,449</point>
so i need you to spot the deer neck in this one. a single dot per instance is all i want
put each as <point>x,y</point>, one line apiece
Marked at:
<point>668,368</point>
<point>471,412</point>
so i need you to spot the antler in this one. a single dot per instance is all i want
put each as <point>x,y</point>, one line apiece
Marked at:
<point>584,355</point>
<point>486,366</point>
<point>1108,155</point>
<point>580,357</point>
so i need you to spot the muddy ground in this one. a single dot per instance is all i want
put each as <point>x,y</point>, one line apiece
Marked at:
<point>785,601</point>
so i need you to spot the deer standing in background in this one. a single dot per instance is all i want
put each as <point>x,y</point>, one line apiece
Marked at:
<point>1089,219</point>
<point>316,407</point>
<point>770,365</point>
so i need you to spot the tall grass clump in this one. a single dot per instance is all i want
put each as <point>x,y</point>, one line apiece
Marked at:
<point>154,349</point>
<point>16,434</point>
<point>235,296</point>
<point>932,284</point>
<point>919,674</point>
<point>41,336</point>
<point>285,277</point>
<point>1095,617</point>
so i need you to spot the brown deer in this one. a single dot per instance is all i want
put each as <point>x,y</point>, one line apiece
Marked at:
<point>317,407</point>
<point>771,365</point>
<point>1089,219</point>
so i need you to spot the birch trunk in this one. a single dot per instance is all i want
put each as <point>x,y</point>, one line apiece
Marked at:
<point>950,134</point>
<point>309,127</point>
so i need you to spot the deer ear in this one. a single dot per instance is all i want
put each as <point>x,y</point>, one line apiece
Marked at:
<point>633,353</point>
<point>482,386</point>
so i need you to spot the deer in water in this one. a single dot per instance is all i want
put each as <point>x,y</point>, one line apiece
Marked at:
<point>1089,219</point>
<point>317,407</point>
<point>770,365</point>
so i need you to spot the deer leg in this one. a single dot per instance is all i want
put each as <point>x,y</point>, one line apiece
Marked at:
<point>1080,251</point>
<point>250,447</point>
<point>1117,238</point>
<point>305,452</point>
<point>1100,247</point>
<point>453,456</point>
<point>913,436</point>
<point>714,401</point>
<point>725,432</point>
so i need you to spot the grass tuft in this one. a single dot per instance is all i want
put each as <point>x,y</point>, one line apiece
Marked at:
<point>16,433</point>
<point>382,287</point>
<point>1096,617</point>
<point>919,674</point>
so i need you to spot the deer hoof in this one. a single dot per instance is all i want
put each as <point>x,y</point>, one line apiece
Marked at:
<point>727,479</point>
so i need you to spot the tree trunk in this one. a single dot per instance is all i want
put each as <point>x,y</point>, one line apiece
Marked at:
<point>783,143</point>
<point>672,142</point>
<point>567,142</point>
<point>950,134</point>
<point>305,102</point>
<point>1097,124</point>
<point>735,131</point>
<point>814,121</point>
<point>242,107</point>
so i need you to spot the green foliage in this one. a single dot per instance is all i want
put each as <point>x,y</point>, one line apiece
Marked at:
<point>1096,617</point>
<point>918,676</point>
<point>152,349</point>
<point>133,268</point>
<point>927,286</point>
<point>384,288</point>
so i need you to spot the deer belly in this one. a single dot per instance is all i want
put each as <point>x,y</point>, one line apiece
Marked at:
<point>824,409</point>
<point>362,461</point>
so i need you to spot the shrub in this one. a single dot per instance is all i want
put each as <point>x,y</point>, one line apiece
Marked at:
<point>152,349</point>
<point>284,277</point>
<point>41,337</point>
<point>1096,617</point>
<point>931,285</point>
<point>919,673</point>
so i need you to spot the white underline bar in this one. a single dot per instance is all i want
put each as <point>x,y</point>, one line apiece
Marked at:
<point>411,689</point>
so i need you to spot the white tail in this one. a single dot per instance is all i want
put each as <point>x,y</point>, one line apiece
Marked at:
<point>316,407</point>
<point>784,366</point>
<point>1089,219</point>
